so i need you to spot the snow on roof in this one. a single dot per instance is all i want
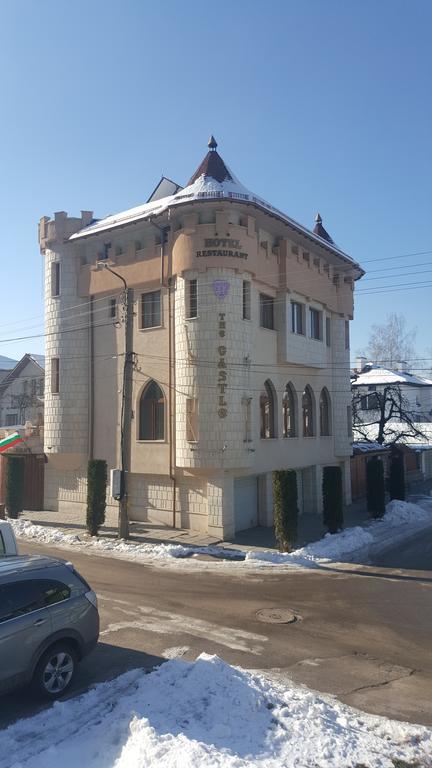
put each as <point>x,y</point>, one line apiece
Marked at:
<point>362,446</point>
<point>212,180</point>
<point>381,376</point>
<point>39,359</point>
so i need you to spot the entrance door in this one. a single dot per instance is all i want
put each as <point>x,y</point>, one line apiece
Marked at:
<point>245,502</point>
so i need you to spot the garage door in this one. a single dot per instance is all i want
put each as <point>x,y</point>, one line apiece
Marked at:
<point>245,502</point>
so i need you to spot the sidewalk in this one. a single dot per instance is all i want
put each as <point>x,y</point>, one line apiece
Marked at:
<point>310,529</point>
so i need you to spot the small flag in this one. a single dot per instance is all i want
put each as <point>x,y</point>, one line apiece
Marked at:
<point>10,441</point>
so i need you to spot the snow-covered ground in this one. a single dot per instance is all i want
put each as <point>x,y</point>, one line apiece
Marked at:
<point>205,714</point>
<point>401,519</point>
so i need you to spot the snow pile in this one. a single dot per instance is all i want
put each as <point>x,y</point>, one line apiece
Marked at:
<point>401,518</point>
<point>340,546</point>
<point>330,547</point>
<point>206,714</point>
<point>47,535</point>
<point>400,512</point>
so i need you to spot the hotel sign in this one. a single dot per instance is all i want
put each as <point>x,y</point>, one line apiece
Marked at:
<point>215,247</point>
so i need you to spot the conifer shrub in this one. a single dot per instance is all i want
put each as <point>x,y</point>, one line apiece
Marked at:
<point>96,494</point>
<point>375,487</point>
<point>14,486</point>
<point>332,499</point>
<point>397,474</point>
<point>285,508</point>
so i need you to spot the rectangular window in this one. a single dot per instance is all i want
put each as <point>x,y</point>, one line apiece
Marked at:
<point>328,331</point>
<point>11,419</point>
<point>315,323</point>
<point>41,387</point>
<point>349,421</point>
<point>55,375</point>
<point>266,311</point>
<point>151,310</point>
<point>297,324</point>
<point>113,307</point>
<point>33,387</point>
<point>370,402</point>
<point>191,299</point>
<point>246,300</point>
<point>347,335</point>
<point>55,278</point>
<point>191,419</point>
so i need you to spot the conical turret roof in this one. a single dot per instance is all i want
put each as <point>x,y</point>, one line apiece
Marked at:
<point>212,179</point>
<point>212,166</point>
<point>320,231</point>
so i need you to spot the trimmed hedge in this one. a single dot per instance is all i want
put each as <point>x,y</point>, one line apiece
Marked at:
<point>375,487</point>
<point>285,508</point>
<point>332,498</point>
<point>397,475</point>
<point>14,486</point>
<point>96,494</point>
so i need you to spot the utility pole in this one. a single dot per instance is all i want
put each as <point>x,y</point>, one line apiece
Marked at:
<point>126,406</point>
<point>126,417</point>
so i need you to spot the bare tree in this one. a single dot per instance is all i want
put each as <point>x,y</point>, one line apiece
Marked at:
<point>384,416</point>
<point>391,342</point>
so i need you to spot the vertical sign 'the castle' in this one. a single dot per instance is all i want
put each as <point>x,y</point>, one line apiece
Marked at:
<point>221,290</point>
<point>222,373</point>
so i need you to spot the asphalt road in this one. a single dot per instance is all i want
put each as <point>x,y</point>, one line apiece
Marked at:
<point>363,633</point>
<point>412,555</point>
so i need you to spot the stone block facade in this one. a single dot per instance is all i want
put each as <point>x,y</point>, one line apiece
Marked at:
<point>214,361</point>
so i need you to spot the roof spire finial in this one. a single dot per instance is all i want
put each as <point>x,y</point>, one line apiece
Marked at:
<point>318,218</point>
<point>212,143</point>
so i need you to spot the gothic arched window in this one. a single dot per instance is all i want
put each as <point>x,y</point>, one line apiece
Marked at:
<point>289,411</point>
<point>152,413</point>
<point>324,408</point>
<point>267,411</point>
<point>308,412</point>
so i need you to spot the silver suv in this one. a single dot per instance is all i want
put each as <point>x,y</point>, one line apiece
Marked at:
<point>48,622</point>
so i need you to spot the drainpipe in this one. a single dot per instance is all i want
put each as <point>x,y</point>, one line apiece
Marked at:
<point>91,382</point>
<point>171,349</point>
<point>171,352</point>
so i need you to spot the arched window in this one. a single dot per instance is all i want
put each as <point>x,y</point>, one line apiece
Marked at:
<point>307,409</point>
<point>267,411</point>
<point>324,407</point>
<point>152,413</point>
<point>289,412</point>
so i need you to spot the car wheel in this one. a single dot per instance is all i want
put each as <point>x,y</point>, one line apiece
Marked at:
<point>54,672</point>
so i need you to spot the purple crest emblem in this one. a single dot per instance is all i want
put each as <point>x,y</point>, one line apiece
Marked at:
<point>221,288</point>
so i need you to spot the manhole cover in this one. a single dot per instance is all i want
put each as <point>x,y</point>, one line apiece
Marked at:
<point>276,616</point>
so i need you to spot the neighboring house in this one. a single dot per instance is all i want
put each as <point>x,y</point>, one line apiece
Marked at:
<point>22,393</point>
<point>416,390</point>
<point>240,345</point>
<point>410,395</point>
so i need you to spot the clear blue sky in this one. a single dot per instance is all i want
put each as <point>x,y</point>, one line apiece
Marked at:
<point>316,105</point>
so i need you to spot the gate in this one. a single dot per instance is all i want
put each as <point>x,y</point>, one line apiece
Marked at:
<point>33,480</point>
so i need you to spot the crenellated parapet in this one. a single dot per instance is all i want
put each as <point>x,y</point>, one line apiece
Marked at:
<point>60,228</point>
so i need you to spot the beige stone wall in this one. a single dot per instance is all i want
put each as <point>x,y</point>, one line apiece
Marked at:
<point>279,264</point>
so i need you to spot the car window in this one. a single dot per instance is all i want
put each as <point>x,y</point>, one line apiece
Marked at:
<point>2,545</point>
<point>21,597</point>
<point>55,592</point>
